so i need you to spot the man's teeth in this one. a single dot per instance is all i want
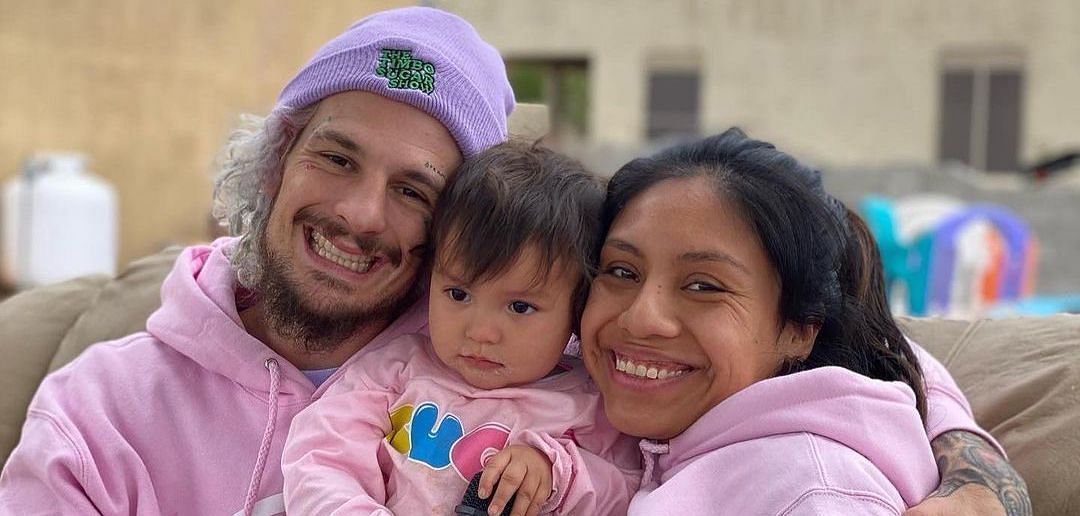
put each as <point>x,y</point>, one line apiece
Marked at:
<point>327,250</point>
<point>642,371</point>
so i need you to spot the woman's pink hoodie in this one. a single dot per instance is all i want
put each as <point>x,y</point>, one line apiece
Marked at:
<point>824,441</point>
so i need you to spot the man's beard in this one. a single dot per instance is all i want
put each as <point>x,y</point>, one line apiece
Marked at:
<point>319,332</point>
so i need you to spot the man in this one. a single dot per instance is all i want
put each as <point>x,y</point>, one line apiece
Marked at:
<point>331,195</point>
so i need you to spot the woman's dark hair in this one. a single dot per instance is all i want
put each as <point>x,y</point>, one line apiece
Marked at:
<point>826,267</point>
<point>514,195</point>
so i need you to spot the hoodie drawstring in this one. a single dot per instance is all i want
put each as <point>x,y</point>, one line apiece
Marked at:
<point>650,455</point>
<point>268,435</point>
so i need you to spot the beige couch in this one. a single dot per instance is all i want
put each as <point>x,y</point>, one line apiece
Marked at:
<point>1022,376</point>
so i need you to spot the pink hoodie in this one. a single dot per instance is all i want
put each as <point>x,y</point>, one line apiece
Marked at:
<point>187,418</point>
<point>404,434</point>
<point>824,441</point>
<point>191,416</point>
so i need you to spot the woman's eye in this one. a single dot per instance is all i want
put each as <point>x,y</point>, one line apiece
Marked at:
<point>621,273</point>
<point>521,307</point>
<point>701,286</point>
<point>457,294</point>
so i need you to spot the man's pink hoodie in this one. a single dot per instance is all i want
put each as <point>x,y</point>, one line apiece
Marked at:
<point>189,417</point>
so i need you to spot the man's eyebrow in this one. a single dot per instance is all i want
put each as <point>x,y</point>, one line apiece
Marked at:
<point>337,137</point>
<point>714,256</point>
<point>347,143</point>
<point>425,179</point>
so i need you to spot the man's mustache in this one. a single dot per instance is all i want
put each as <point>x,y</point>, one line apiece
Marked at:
<point>331,228</point>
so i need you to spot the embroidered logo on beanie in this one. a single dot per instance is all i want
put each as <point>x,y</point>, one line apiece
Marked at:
<point>405,72</point>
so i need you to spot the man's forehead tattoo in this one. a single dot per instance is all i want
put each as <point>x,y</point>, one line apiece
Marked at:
<point>429,166</point>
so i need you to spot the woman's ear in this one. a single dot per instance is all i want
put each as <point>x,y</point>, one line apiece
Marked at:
<point>797,340</point>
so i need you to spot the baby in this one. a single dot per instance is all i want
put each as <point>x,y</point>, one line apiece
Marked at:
<point>490,391</point>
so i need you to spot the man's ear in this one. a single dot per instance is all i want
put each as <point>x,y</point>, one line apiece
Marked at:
<point>797,340</point>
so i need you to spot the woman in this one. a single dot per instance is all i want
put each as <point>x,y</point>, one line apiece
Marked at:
<point>725,327</point>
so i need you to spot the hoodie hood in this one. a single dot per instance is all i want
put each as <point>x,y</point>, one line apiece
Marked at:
<point>198,318</point>
<point>876,419</point>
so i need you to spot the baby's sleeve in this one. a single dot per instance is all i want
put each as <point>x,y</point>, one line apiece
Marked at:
<point>584,482</point>
<point>331,459</point>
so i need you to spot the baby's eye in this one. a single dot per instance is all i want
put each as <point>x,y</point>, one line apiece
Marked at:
<point>521,307</point>
<point>457,294</point>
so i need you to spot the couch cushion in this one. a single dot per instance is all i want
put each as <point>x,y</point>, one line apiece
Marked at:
<point>1022,377</point>
<point>121,307</point>
<point>32,324</point>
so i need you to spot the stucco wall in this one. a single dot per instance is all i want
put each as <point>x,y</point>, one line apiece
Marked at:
<point>149,90</point>
<point>841,82</point>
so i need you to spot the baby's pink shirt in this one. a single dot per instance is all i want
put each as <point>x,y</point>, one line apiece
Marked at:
<point>400,433</point>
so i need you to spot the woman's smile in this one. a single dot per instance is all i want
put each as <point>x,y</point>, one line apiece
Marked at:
<point>647,369</point>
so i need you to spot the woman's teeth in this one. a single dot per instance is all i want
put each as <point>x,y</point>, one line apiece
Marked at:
<point>642,371</point>
<point>324,248</point>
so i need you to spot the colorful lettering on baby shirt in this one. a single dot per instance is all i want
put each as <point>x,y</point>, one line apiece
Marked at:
<point>426,435</point>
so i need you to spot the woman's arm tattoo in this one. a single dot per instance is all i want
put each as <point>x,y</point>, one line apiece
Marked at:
<point>965,458</point>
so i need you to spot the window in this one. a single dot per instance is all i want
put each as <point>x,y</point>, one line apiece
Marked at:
<point>562,85</point>
<point>981,97</point>
<point>673,103</point>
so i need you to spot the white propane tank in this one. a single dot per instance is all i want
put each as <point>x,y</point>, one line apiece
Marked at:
<point>59,222</point>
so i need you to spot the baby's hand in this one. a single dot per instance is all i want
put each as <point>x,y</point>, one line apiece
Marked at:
<point>517,468</point>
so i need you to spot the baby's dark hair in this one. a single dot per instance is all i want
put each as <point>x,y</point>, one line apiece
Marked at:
<point>509,197</point>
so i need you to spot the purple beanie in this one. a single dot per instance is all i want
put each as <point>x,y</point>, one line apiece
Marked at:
<point>424,57</point>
